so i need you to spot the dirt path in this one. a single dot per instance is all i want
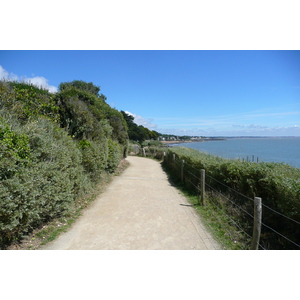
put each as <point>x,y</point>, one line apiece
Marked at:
<point>139,210</point>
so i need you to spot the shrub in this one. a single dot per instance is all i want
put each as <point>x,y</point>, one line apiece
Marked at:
<point>26,101</point>
<point>46,186</point>
<point>153,151</point>
<point>14,150</point>
<point>53,148</point>
<point>277,184</point>
<point>114,156</point>
<point>88,87</point>
<point>77,118</point>
<point>94,157</point>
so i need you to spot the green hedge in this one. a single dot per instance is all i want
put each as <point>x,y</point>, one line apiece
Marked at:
<point>277,184</point>
<point>26,101</point>
<point>54,148</point>
<point>40,185</point>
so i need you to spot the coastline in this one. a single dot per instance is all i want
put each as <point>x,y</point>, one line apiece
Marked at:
<point>192,141</point>
<point>175,142</point>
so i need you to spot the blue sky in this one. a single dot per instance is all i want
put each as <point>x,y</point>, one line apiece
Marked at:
<point>208,93</point>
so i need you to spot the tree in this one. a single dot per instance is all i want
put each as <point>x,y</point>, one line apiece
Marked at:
<point>138,132</point>
<point>81,85</point>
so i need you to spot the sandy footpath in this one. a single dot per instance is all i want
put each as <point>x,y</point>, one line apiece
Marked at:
<point>139,210</point>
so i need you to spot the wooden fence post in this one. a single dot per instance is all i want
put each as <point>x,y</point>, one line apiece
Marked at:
<point>182,166</point>
<point>144,152</point>
<point>257,223</point>
<point>202,187</point>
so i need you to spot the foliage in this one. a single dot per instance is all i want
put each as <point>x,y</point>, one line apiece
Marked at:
<point>138,132</point>
<point>114,156</point>
<point>46,186</point>
<point>26,101</point>
<point>94,157</point>
<point>153,152</point>
<point>277,184</point>
<point>14,151</point>
<point>87,116</point>
<point>80,85</point>
<point>54,148</point>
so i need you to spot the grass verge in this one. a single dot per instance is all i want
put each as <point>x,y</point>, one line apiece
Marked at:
<point>214,220</point>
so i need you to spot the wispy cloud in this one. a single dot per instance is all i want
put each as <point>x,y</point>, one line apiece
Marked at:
<point>38,81</point>
<point>252,126</point>
<point>139,120</point>
<point>225,120</point>
<point>265,122</point>
<point>243,131</point>
<point>6,75</point>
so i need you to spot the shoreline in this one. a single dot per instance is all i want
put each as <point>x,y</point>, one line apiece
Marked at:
<point>192,141</point>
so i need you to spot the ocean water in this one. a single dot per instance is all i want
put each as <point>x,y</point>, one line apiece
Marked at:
<point>279,149</point>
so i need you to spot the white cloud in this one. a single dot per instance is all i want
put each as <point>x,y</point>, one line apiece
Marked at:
<point>251,126</point>
<point>41,82</point>
<point>3,73</point>
<point>139,120</point>
<point>37,81</point>
<point>239,130</point>
<point>215,127</point>
<point>7,76</point>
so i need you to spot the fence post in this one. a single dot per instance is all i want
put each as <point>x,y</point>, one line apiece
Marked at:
<point>164,155</point>
<point>202,187</point>
<point>257,223</point>
<point>144,152</point>
<point>182,166</point>
<point>174,157</point>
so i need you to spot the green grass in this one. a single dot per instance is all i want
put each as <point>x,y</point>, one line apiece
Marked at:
<point>216,221</point>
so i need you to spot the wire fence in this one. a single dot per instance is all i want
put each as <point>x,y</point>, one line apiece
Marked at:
<point>237,207</point>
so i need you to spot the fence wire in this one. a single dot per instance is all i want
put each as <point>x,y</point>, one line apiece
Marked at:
<point>234,222</point>
<point>177,162</point>
<point>229,200</point>
<point>229,188</point>
<point>280,234</point>
<point>280,214</point>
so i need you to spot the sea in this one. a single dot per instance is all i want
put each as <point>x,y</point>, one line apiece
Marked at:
<point>270,149</point>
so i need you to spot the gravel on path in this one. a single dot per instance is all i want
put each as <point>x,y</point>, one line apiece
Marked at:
<point>140,210</point>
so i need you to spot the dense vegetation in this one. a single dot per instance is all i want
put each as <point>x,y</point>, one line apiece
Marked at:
<point>277,184</point>
<point>138,133</point>
<point>53,149</point>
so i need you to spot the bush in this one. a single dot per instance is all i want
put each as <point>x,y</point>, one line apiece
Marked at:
<point>277,184</point>
<point>14,150</point>
<point>94,157</point>
<point>46,186</point>
<point>77,118</point>
<point>153,151</point>
<point>26,101</point>
<point>88,87</point>
<point>53,149</point>
<point>114,156</point>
